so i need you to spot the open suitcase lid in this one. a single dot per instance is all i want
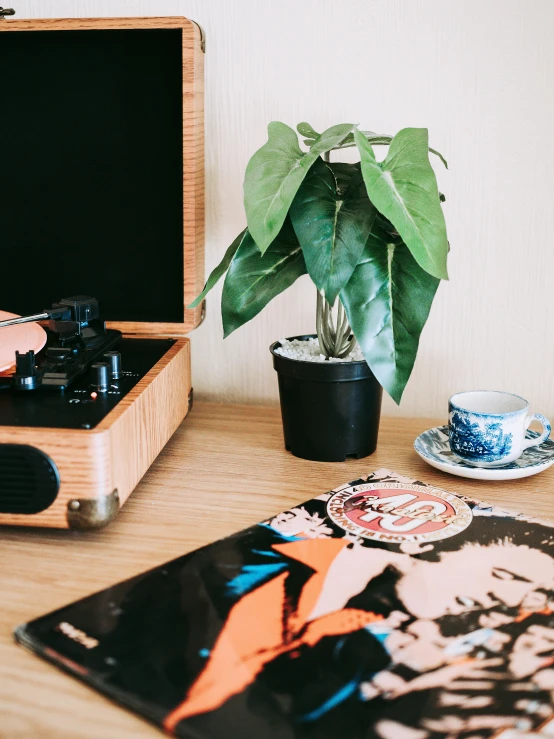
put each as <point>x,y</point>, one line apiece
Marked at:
<point>102,175</point>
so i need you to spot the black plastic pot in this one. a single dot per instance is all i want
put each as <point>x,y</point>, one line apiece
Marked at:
<point>330,410</point>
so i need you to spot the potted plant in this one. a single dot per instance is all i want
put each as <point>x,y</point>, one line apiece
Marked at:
<point>372,238</point>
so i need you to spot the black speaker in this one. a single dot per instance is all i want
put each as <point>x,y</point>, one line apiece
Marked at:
<point>29,480</point>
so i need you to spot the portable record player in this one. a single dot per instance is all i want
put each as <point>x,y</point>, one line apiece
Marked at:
<point>102,187</point>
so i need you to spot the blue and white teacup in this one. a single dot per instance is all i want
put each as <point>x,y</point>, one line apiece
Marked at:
<point>487,427</point>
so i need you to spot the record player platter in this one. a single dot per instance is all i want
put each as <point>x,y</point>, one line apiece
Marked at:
<point>22,338</point>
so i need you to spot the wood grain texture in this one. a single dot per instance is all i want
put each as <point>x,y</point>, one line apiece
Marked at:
<point>224,469</point>
<point>147,418</point>
<point>116,454</point>
<point>193,152</point>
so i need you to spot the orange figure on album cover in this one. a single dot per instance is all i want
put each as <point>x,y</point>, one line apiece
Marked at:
<point>386,609</point>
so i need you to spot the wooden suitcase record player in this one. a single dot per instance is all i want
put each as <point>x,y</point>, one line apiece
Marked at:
<point>102,183</point>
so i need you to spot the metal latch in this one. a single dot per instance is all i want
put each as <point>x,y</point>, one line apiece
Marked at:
<point>6,11</point>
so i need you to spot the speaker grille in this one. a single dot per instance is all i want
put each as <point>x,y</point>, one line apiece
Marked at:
<point>29,480</point>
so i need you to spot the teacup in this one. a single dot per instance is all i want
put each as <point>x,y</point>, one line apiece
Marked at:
<point>487,427</point>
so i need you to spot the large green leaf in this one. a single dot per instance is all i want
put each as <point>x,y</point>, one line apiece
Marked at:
<point>254,279</point>
<point>332,226</point>
<point>221,268</point>
<point>404,189</point>
<point>387,301</point>
<point>274,174</point>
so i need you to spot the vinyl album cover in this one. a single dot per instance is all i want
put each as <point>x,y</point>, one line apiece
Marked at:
<point>386,609</point>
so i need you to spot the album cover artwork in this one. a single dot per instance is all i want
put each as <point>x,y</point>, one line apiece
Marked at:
<point>385,609</point>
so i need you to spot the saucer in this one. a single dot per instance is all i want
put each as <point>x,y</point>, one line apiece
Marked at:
<point>433,447</point>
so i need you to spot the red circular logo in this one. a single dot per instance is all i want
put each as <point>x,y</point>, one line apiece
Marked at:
<point>396,512</point>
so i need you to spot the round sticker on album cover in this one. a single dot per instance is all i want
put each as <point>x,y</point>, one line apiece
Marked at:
<point>397,512</point>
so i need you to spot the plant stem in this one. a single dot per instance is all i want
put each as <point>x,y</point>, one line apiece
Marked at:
<point>341,327</point>
<point>334,341</point>
<point>319,325</point>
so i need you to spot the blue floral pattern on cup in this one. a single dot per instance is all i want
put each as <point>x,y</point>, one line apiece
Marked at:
<point>487,428</point>
<point>484,442</point>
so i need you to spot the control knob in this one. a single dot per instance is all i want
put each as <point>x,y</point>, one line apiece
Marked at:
<point>100,377</point>
<point>114,364</point>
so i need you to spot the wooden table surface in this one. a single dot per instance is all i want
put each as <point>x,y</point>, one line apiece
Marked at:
<point>224,469</point>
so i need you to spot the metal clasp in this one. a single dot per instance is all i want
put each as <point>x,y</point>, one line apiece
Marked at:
<point>6,11</point>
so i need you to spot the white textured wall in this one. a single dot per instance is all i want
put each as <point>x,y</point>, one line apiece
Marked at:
<point>480,75</point>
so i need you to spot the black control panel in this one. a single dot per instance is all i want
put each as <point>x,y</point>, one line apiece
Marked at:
<point>91,396</point>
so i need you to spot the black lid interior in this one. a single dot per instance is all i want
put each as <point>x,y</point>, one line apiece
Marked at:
<point>91,171</point>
